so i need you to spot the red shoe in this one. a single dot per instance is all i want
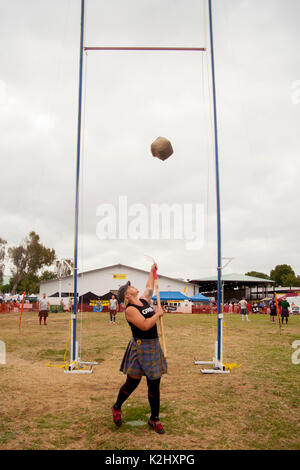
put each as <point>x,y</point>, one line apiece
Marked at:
<point>157,426</point>
<point>117,417</point>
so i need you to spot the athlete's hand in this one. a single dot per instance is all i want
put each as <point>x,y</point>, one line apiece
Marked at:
<point>160,312</point>
<point>153,267</point>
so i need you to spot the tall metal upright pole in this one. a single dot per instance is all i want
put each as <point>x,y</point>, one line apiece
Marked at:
<point>74,315</point>
<point>220,314</point>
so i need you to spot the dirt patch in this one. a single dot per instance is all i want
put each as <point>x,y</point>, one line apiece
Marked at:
<point>254,407</point>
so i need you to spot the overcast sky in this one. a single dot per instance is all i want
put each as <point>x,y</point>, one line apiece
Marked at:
<point>130,99</point>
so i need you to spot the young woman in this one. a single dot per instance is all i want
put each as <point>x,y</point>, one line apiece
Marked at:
<point>143,355</point>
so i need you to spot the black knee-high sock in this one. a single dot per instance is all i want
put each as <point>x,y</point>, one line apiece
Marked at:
<point>125,391</point>
<point>154,397</point>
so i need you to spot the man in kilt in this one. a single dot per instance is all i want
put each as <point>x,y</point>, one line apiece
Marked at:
<point>43,309</point>
<point>285,310</point>
<point>143,355</point>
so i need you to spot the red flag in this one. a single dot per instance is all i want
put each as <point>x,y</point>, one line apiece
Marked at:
<point>21,311</point>
<point>277,310</point>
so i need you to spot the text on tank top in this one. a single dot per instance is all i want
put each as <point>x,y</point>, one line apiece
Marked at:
<point>147,311</point>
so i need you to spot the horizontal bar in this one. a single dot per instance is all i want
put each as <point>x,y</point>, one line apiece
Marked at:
<point>204,362</point>
<point>186,49</point>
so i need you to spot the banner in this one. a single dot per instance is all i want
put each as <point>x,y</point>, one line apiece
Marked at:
<point>293,301</point>
<point>94,303</point>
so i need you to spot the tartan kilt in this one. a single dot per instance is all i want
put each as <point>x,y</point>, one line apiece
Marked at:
<point>43,313</point>
<point>285,314</point>
<point>144,357</point>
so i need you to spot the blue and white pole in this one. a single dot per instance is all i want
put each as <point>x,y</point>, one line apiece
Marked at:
<point>73,354</point>
<point>220,313</point>
<point>217,361</point>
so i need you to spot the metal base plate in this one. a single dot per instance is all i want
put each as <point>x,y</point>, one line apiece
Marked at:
<point>218,367</point>
<point>214,371</point>
<point>76,368</point>
<point>78,371</point>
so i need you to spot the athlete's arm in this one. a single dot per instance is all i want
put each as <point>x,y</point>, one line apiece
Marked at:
<point>147,295</point>
<point>134,316</point>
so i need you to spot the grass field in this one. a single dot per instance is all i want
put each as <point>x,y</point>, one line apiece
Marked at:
<point>255,407</point>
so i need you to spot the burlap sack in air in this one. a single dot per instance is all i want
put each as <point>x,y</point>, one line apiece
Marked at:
<point>161,148</point>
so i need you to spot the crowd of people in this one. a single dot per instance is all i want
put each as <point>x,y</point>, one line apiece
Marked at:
<point>244,307</point>
<point>7,298</point>
<point>284,309</point>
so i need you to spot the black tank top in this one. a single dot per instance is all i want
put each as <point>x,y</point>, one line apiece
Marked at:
<point>147,312</point>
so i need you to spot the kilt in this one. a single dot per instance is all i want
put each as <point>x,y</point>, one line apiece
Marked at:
<point>144,357</point>
<point>43,313</point>
<point>285,314</point>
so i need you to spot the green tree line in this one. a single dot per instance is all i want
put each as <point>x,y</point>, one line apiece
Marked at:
<point>283,275</point>
<point>29,262</point>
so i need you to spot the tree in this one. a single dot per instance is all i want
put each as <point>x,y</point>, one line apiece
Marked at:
<point>28,259</point>
<point>257,274</point>
<point>297,281</point>
<point>288,280</point>
<point>29,284</point>
<point>47,276</point>
<point>6,288</point>
<point>2,258</point>
<point>283,275</point>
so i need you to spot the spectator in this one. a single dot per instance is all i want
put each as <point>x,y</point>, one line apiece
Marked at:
<point>44,306</point>
<point>285,310</point>
<point>273,311</point>
<point>113,305</point>
<point>255,308</point>
<point>244,308</point>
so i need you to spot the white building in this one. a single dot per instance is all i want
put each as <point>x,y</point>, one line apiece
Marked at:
<point>110,278</point>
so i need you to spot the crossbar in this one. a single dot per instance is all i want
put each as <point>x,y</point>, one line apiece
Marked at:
<point>124,48</point>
